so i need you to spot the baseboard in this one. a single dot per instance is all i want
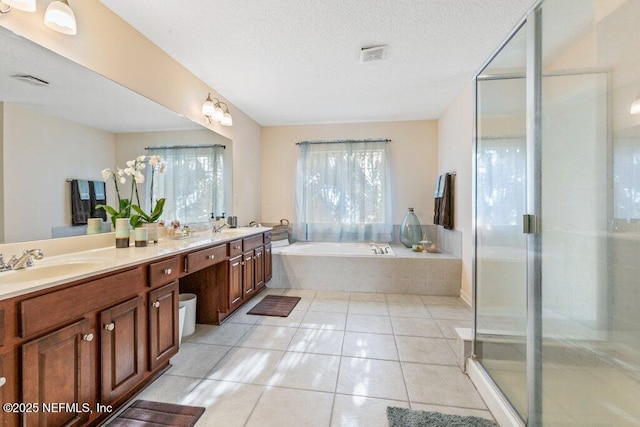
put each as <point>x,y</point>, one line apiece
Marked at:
<point>466,297</point>
<point>502,411</point>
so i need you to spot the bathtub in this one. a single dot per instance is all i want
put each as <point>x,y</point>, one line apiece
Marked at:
<point>338,249</point>
<point>354,267</point>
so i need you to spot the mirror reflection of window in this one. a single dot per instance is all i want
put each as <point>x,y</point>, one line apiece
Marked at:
<point>193,182</point>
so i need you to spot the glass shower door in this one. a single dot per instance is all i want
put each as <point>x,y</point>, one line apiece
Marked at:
<point>500,251</point>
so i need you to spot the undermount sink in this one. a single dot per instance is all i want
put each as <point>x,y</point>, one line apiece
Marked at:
<point>49,271</point>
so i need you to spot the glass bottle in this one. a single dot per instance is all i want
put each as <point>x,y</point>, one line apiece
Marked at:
<point>410,230</point>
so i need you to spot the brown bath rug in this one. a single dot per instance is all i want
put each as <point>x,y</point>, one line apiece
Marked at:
<point>275,305</point>
<point>144,413</point>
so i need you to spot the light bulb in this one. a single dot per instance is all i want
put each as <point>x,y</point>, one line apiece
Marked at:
<point>208,107</point>
<point>635,107</point>
<point>226,120</point>
<point>59,17</point>
<point>25,5</point>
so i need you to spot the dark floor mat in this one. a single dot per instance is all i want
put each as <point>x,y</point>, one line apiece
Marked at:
<point>275,305</point>
<point>144,413</point>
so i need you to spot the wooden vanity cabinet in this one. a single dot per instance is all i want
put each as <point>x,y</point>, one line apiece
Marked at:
<point>235,286</point>
<point>163,324</point>
<point>122,349</point>
<point>268,263</point>
<point>58,368</point>
<point>248,274</point>
<point>259,267</point>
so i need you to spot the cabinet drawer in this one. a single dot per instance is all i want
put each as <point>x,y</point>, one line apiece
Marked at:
<point>163,272</point>
<point>43,312</point>
<point>205,258</point>
<point>252,242</point>
<point>267,237</point>
<point>235,248</point>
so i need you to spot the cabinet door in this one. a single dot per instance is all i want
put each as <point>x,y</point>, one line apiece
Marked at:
<point>163,324</point>
<point>235,282</point>
<point>122,348</point>
<point>258,265</point>
<point>268,269</point>
<point>248,274</point>
<point>57,368</point>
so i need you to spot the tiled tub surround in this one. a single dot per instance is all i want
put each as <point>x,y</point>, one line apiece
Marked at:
<point>407,272</point>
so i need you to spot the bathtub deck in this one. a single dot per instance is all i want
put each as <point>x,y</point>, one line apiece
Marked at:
<point>406,273</point>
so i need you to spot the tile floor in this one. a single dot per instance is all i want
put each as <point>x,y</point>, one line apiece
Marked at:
<point>339,359</point>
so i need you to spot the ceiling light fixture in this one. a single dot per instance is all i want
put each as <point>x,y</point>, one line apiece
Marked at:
<point>24,5</point>
<point>59,17</point>
<point>635,106</point>
<point>213,111</point>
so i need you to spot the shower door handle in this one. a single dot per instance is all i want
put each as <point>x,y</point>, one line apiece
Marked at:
<point>531,224</point>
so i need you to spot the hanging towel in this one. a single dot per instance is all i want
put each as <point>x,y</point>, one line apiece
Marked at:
<point>98,197</point>
<point>80,201</point>
<point>443,209</point>
<point>441,184</point>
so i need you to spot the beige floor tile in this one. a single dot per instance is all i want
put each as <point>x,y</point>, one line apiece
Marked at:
<point>242,317</point>
<point>267,337</point>
<point>408,310</point>
<point>416,327</point>
<point>291,321</point>
<point>196,360</point>
<point>448,327</point>
<point>404,299</point>
<point>354,411</point>
<point>226,403</point>
<point>443,300</point>
<point>343,295</point>
<point>372,378</point>
<point>226,334</point>
<point>303,293</point>
<point>450,312</point>
<point>318,341</point>
<point>280,407</point>
<point>371,346</point>
<point>425,350</point>
<point>369,323</point>
<point>452,410</point>
<point>246,365</point>
<point>367,296</point>
<point>320,320</point>
<point>440,385</point>
<point>170,389</point>
<point>306,371</point>
<point>375,308</point>
<point>329,305</point>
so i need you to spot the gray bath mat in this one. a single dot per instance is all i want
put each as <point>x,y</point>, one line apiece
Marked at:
<point>403,417</point>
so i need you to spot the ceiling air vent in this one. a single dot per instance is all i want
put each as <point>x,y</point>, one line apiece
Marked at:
<point>374,53</point>
<point>31,80</point>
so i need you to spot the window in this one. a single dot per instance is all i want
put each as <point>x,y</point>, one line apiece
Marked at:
<point>193,182</point>
<point>343,192</point>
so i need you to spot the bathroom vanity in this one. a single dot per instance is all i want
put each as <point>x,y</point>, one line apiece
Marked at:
<point>74,349</point>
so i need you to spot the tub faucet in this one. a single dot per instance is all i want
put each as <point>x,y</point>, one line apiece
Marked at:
<point>25,260</point>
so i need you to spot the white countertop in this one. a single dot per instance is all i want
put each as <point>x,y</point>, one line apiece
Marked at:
<point>68,265</point>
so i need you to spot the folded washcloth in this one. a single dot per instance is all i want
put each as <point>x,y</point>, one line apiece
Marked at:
<point>83,189</point>
<point>436,190</point>
<point>98,188</point>
<point>441,180</point>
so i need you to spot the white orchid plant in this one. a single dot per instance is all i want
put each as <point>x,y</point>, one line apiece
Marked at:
<point>134,170</point>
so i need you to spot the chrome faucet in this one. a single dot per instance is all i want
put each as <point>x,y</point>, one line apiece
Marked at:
<point>25,260</point>
<point>218,228</point>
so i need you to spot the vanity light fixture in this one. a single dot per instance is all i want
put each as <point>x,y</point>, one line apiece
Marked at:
<point>635,106</point>
<point>213,111</point>
<point>59,17</point>
<point>24,5</point>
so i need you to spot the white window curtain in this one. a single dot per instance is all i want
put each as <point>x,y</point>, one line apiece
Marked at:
<point>343,192</point>
<point>193,182</point>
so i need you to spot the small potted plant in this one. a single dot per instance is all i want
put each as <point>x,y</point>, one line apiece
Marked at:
<point>150,220</point>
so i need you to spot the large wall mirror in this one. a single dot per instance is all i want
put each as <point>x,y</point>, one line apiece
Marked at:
<point>72,128</point>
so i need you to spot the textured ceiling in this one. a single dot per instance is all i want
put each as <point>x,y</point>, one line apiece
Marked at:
<point>286,62</point>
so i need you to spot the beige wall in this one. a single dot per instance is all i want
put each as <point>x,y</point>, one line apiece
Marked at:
<point>455,137</point>
<point>413,152</point>
<point>37,196</point>
<point>2,170</point>
<point>111,47</point>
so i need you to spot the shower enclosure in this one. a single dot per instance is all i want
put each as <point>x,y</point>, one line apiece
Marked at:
<point>557,216</point>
